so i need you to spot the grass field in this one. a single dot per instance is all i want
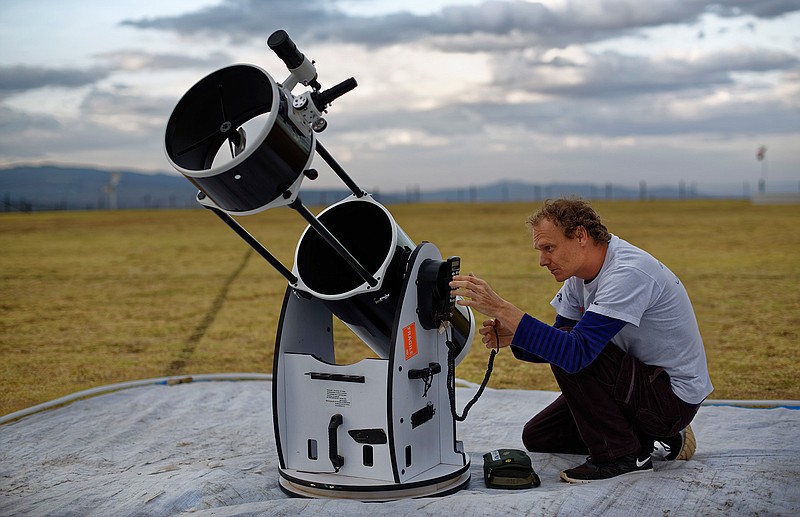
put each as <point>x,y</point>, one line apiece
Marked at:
<point>93,298</point>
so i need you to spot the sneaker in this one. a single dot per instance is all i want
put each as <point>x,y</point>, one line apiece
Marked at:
<point>590,471</point>
<point>678,447</point>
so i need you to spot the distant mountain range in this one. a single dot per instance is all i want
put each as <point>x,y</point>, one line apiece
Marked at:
<point>29,188</point>
<point>70,188</point>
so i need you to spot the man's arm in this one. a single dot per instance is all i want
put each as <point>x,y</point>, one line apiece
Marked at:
<point>571,351</point>
<point>561,323</point>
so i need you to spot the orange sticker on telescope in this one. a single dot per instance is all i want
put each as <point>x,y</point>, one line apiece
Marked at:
<point>410,340</point>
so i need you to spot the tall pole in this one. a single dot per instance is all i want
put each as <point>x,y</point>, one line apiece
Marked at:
<point>761,155</point>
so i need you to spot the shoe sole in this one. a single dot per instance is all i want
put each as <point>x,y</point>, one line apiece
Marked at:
<point>689,445</point>
<point>565,477</point>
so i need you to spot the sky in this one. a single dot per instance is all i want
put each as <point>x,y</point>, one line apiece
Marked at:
<point>450,92</point>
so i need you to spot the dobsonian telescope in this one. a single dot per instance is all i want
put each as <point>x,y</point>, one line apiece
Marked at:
<point>384,427</point>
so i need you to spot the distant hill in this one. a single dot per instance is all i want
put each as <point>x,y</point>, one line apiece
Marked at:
<point>66,188</point>
<point>70,188</point>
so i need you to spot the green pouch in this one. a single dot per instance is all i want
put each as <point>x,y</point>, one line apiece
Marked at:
<point>509,468</point>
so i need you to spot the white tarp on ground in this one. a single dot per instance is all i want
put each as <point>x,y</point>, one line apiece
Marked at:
<point>207,448</point>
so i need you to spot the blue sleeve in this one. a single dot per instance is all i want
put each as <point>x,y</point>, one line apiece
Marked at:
<point>571,351</point>
<point>521,354</point>
<point>561,321</point>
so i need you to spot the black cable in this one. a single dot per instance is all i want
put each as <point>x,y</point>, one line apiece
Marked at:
<point>451,378</point>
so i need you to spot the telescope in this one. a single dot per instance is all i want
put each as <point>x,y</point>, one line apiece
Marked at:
<point>383,428</point>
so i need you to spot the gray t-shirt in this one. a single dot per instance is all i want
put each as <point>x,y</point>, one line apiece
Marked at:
<point>662,330</point>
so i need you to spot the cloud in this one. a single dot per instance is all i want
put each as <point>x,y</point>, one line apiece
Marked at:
<point>12,120</point>
<point>116,128</point>
<point>727,110</point>
<point>239,19</point>
<point>764,8</point>
<point>128,112</point>
<point>466,94</point>
<point>139,60</point>
<point>614,74</point>
<point>18,78</point>
<point>492,25</point>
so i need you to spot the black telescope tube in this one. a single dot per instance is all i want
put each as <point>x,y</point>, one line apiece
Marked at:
<point>333,242</point>
<point>355,189</point>
<point>260,249</point>
<point>280,43</point>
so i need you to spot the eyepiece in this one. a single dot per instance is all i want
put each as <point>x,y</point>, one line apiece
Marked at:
<point>283,46</point>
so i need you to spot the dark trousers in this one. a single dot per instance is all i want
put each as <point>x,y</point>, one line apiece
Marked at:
<point>614,407</point>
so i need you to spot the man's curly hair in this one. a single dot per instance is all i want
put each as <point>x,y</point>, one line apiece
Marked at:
<point>569,214</point>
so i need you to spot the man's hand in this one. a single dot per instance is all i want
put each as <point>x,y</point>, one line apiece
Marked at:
<point>480,296</point>
<point>495,335</point>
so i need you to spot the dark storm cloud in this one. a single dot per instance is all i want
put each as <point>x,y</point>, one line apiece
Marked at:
<point>509,22</point>
<point>19,78</point>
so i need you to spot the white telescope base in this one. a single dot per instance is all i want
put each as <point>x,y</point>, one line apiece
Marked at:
<point>386,422</point>
<point>438,481</point>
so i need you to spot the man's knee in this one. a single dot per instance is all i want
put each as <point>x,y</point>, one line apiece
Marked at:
<point>530,436</point>
<point>536,441</point>
<point>553,430</point>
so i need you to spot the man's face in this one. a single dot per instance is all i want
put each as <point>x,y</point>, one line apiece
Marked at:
<point>562,256</point>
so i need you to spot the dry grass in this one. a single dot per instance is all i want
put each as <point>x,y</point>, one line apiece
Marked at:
<point>99,297</point>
